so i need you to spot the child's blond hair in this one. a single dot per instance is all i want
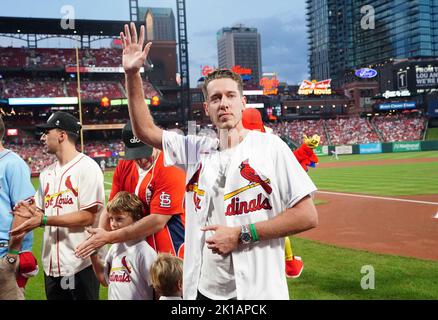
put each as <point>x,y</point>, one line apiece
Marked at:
<point>167,274</point>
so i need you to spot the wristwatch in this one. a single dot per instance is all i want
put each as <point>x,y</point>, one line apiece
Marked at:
<point>245,235</point>
<point>11,260</point>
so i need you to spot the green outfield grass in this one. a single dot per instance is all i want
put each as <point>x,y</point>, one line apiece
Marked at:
<point>389,180</point>
<point>331,272</point>
<point>432,134</point>
<point>379,156</point>
<point>334,273</point>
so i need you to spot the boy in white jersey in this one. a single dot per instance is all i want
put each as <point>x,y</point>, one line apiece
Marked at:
<point>125,270</point>
<point>70,197</point>
<point>244,193</point>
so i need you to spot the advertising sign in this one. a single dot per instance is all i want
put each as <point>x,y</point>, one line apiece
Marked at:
<point>405,146</point>
<point>426,76</point>
<point>314,87</point>
<point>397,106</point>
<point>270,85</point>
<point>321,150</point>
<point>366,73</point>
<point>73,69</point>
<point>370,148</point>
<point>344,149</point>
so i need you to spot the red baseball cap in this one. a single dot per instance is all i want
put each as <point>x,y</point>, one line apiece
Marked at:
<point>252,120</point>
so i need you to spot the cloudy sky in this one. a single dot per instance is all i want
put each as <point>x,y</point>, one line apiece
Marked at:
<point>281,24</point>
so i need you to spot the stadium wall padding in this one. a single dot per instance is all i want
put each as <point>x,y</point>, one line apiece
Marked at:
<point>386,147</point>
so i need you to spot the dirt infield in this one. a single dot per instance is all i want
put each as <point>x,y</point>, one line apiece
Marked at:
<point>379,224</point>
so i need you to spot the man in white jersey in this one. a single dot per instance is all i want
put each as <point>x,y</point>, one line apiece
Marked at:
<point>70,197</point>
<point>244,192</point>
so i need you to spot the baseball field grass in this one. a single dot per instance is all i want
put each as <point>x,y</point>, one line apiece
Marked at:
<point>383,179</point>
<point>432,134</point>
<point>332,272</point>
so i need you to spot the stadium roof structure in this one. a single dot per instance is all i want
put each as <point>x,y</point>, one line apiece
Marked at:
<point>53,26</point>
<point>42,28</point>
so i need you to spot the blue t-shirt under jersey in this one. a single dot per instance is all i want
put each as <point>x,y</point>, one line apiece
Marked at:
<point>15,185</point>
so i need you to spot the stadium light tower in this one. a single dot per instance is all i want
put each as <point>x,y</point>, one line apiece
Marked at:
<point>183,61</point>
<point>183,54</point>
<point>133,10</point>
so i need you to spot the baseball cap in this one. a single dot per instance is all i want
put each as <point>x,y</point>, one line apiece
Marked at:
<point>252,120</point>
<point>134,148</point>
<point>62,120</point>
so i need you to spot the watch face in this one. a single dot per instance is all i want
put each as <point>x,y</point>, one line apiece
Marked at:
<point>11,260</point>
<point>245,237</point>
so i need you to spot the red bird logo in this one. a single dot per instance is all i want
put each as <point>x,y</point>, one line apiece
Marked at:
<point>249,174</point>
<point>193,186</point>
<point>125,264</point>
<point>69,186</point>
<point>46,190</point>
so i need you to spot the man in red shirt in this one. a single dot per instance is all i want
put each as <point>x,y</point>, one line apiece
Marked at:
<point>160,188</point>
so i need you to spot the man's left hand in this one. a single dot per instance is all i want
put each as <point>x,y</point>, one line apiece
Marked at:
<point>224,240</point>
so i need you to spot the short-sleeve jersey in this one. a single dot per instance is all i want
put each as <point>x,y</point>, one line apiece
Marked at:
<point>127,271</point>
<point>161,189</point>
<point>78,185</point>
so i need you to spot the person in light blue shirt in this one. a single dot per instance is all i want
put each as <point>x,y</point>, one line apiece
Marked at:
<point>15,185</point>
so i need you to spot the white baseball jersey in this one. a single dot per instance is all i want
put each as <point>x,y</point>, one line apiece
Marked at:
<point>263,179</point>
<point>77,185</point>
<point>126,271</point>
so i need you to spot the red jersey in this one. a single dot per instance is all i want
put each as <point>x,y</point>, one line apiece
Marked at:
<point>161,189</point>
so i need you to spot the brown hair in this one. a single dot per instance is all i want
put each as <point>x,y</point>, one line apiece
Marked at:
<point>222,74</point>
<point>126,202</point>
<point>166,274</point>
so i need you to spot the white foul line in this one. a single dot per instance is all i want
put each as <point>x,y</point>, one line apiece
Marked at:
<point>381,198</point>
<point>107,183</point>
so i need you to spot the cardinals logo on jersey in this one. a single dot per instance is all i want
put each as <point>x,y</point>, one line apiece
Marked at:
<point>46,190</point>
<point>260,202</point>
<point>192,186</point>
<point>121,274</point>
<point>249,174</point>
<point>125,264</point>
<point>69,186</point>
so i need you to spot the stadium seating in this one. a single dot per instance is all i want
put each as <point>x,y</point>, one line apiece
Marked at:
<point>400,127</point>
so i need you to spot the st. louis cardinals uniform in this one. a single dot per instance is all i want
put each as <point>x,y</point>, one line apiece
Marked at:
<point>161,190</point>
<point>77,185</point>
<point>126,271</point>
<point>255,181</point>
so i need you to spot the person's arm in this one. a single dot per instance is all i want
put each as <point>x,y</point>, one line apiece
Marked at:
<point>104,221</point>
<point>301,217</point>
<point>99,269</point>
<point>20,189</point>
<point>134,57</point>
<point>142,228</point>
<point>79,218</point>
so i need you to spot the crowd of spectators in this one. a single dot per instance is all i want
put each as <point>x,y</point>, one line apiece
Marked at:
<point>36,156</point>
<point>47,58</point>
<point>352,130</point>
<point>295,130</point>
<point>355,130</point>
<point>94,90</point>
<point>31,88</point>
<point>399,127</point>
<point>50,88</point>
